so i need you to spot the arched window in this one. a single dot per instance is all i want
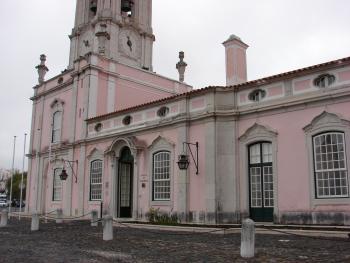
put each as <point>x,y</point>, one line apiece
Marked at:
<point>161,176</point>
<point>96,180</point>
<point>56,126</point>
<point>57,185</point>
<point>331,175</point>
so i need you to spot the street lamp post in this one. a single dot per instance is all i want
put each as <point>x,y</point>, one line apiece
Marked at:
<point>13,169</point>
<point>24,155</point>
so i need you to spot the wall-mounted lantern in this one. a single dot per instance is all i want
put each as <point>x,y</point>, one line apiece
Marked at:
<point>64,175</point>
<point>184,162</point>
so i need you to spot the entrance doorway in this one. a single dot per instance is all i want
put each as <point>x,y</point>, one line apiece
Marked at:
<point>125,183</point>
<point>261,197</point>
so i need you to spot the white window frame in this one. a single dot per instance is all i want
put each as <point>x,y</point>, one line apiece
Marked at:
<point>165,171</point>
<point>161,144</point>
<point>266,195</point>
<point>327,187</point>
<point>94,154</point>
<point>56,125</point>
<point>255,134</point>
<point>57,185</point>
<point>324,123</point>
<point>100,184</point>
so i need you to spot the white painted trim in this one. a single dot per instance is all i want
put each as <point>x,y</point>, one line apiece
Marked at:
<point>111,94</point>
<point>325,122</point>
<point>161,144</point>
<point>93,94</point>
<point>257,133</point>
<point>94,155</point>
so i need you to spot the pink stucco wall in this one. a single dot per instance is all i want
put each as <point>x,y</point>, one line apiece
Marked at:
<point>80,109</point>
<point>197,182</point>
<point>275,91</point>
<point>152,79</point>
<point>102,94</point>
<point>344,75</point>
<point>135,93</point>
<point>294,189</point>
<point>302,85</point>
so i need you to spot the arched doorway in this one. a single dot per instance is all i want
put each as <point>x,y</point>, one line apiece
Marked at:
<point>125,183</point>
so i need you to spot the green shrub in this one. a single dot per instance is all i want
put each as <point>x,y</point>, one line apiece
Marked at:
<point>155,216</point>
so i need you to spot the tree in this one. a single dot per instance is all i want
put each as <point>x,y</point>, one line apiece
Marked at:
<point>16,185</point>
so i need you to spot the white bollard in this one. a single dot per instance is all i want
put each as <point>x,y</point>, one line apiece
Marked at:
<point>94,218</point>
<point>35,222</point>
<point>108,228</point>
<point>4,218</point>
<point>59,216</point>
<point>248,239</point>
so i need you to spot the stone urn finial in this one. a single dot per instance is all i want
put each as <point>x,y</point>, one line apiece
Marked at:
<point>181,66</point>
<point>42,69</point>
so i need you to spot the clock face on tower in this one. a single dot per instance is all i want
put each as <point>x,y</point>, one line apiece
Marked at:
<point>129,44</point>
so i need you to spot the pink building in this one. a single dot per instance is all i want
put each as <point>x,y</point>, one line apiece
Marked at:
<point>274,149</point>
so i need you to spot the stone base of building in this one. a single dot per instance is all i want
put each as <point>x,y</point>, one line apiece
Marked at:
<point>314,218</point>
<point>286,218</point>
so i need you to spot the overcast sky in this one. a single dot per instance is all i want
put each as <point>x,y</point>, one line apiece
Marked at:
<point>282,34</point>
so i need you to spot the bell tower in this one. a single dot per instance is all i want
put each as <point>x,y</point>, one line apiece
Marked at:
<point>120,30</point>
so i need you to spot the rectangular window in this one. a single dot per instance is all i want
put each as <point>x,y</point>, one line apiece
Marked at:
<point>56,126</point>
<point>57,185</point>
<point>331,173</point>
<point>96,180</point>
<point>161,176</point>
<point>255,184</point>
<point>261,175</point>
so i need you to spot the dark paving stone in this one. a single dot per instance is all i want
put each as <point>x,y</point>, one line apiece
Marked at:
<point>78,242</point>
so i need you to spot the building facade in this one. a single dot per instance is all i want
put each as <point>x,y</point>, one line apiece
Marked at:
<point>274,149</point>
<point>4,176</point>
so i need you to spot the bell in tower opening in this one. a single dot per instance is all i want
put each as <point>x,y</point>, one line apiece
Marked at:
<point>93,7</point>
<point>127,6</point>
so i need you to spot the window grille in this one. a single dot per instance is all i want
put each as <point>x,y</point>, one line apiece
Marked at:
<point>56,126</point>
<point>161,176</point>
<point>163,111</point>
<point>331,175</point>
<point>57,185</point>
<point>257,95</point>
<point>261,175</point>
<point>96,180</point>
<point>324,81</point>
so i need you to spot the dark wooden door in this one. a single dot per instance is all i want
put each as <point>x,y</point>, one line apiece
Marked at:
<point>125,184</point>
<point>261,182</point>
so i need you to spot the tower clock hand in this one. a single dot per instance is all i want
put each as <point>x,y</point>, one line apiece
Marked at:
<point>129,43</point>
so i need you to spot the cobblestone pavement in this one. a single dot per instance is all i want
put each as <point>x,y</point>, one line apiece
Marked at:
<point>79,242</point>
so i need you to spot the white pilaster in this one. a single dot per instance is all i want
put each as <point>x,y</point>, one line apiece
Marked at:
<point>183,176</point>
<point>81,180</point>
<point>67,208</point>
<point>93,90</point>
<point>111,94</point>
<point>210,172</point>
<point>73,113</point>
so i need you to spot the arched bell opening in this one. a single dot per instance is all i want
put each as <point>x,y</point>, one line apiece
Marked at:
<point>92,8</point>
<point>127,7</point>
